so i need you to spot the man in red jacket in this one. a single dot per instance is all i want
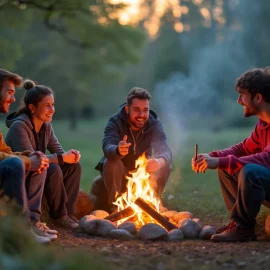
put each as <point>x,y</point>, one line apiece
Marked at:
<point>244,168</point>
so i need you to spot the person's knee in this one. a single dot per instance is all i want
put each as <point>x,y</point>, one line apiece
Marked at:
<point>247,174</point>
<point>16,163</point>
<point>55,172</point>
<point>111,164</point>
<point>77,168</point>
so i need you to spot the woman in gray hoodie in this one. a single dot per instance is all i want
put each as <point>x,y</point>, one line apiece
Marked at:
<point>30,129</point>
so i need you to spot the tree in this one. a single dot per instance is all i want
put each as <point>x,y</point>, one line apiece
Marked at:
<point>69,45</point>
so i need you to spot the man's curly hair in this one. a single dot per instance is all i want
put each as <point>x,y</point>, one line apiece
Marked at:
<point>255,81</point>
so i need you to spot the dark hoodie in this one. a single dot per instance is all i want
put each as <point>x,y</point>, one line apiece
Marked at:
<point>151,139</point>
<point>21,136</point>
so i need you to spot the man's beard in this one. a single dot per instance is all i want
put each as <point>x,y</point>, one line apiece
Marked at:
<point>135,124</point>
<point>250,111</point>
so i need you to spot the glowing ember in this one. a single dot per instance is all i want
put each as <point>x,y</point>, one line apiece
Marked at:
<point>138,186</point>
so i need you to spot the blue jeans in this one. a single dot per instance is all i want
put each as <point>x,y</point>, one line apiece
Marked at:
<point>244,192</point>
<point>12,181</point>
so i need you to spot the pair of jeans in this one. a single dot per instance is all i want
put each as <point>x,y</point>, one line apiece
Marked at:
<point>12,181</point>
<point>244,192</point>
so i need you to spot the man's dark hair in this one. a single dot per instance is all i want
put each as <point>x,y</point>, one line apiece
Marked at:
<point>139,93</point>
<point>9,76</point>
<point>255,81</point>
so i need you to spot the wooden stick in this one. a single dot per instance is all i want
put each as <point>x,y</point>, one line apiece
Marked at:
<point>196,151</point>
<point>154,214</point>
<point>125,213</point>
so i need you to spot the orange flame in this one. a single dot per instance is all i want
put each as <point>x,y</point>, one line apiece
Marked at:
<point>138,186</point>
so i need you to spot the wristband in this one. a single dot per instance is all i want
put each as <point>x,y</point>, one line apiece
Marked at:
<point>60,159</point>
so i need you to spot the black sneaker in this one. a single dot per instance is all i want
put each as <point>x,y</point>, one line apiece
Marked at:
<point>234,233</point>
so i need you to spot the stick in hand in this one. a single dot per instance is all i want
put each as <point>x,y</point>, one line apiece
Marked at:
<point>196,153</point>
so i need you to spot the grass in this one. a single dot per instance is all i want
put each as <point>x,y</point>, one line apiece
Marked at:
<point>185,191</point>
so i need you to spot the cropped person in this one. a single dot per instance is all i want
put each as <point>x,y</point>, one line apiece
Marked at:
<point>14,167</point>
<point>30,129</point>
<point>244,168</point>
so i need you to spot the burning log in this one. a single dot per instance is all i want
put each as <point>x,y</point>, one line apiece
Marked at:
<point>154,214</point>
<point>125,213</point>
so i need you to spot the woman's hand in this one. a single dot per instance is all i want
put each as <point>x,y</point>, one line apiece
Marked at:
<point>71,156</point>
<point>39,162</point>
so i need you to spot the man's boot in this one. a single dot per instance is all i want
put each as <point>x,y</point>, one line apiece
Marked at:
<point>234,234</point>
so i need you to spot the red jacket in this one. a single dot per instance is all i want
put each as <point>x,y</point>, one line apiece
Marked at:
<point>253,150</point>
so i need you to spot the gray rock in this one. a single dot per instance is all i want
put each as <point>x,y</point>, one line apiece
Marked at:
<point>85,219</point>
<point>128,226</point>
<point>175,235</point>
<point>182,215</point>
<point>199,222</point>
<point>190,228</point>
<point>152,231</point>
<point>207,232</point>
<point>181,221</point>
<point>100,214</point>
<point>121,234</point>
<point>99,227</point>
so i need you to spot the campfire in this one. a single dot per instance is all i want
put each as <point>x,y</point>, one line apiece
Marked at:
<point>138,215</point>
<point>139,203</point>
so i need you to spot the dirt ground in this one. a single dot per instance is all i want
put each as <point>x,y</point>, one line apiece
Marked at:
<point>188,254</point>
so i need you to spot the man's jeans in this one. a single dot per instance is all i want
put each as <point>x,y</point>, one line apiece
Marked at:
<point>244,192</point>
<point>12,181</point>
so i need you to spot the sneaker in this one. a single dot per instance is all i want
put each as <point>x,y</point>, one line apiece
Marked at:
<point>41,229</point>
<point>40,239</point>
<point>234,233</point>
<point>44,227</point>
<point>66,222</point>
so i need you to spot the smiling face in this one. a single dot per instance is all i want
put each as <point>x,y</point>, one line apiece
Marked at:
<point>251,106</point>
<point>7,96</point>
<point>138,113</point>
<point>44,110</point>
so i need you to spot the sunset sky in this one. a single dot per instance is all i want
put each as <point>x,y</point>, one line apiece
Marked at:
<point>137,11</point>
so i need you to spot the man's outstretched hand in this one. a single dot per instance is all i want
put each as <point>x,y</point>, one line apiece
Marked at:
<point>204,162</point>
<point>123,146</point>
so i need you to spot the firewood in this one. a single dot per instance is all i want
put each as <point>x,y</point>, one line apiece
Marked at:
<point>125,213</point>
<point>154,214</point>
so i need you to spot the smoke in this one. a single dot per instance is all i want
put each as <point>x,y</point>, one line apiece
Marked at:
<point>204,97</point>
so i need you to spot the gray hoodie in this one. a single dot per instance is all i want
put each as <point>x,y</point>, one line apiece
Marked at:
<point>20,137</point>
